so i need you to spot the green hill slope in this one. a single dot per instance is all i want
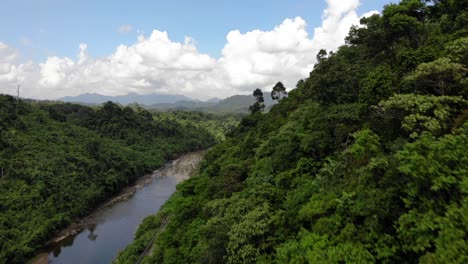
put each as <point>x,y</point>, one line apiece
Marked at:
<point>59,161</point>
<point>365,162</point>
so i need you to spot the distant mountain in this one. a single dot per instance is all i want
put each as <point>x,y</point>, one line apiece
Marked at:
<point>168,102</point>
<point>240,103</point>
<point>233,104</point>
<point>182,105</point>
<point>142,99</point>
<point>214,100</point>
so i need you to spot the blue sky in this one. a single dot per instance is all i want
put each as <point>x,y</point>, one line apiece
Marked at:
<point>41,28</point>
<point>57,48</point>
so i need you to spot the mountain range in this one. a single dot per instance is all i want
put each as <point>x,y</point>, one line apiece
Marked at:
<point>142,99</point>
<point>169,102</point>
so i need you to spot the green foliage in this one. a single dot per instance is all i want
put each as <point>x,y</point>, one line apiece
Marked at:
<point>278,91</point>
<point>364,162</point>
<point>435,195</point>
<point>245,236</point>
<point>259,104</point>
<point>457,51</point>
<point>64,159</point>
<point>377,85</point>
<point>441,77</point>
<point>424,113</point>
<point>217,125</point>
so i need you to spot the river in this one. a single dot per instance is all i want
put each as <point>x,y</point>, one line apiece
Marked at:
<point>109,229</point>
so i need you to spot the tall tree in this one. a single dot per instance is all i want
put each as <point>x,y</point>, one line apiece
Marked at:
<point>278,92</point>
<point>259,104</point>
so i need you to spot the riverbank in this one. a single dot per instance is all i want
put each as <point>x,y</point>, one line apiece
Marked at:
<point>177,170</point>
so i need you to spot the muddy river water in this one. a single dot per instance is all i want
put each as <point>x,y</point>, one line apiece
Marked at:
<point>99,237</point>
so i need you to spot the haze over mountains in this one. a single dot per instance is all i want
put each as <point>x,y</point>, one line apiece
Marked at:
<point>167,102</point>
<point>146,99</point>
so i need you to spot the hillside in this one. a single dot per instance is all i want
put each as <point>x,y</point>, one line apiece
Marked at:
<point>59,161</point>
<point>238,104</point>
<point>181,105</point>
<point>366,161</point>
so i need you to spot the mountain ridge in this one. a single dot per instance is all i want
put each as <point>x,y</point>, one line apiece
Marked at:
<point>169,102</point>
<point>145,99</point>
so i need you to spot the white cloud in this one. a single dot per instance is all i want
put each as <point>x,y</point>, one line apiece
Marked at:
<point>155,63</point>
<point>287,53</point>
<point>8,65</point>
<point>370,13</point>
<point>125,28</point>
<point>13,73</point>
<point>260,58</point>
<point>336,22</point>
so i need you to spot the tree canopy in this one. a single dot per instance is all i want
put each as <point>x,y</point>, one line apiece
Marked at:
<point>61,160</point>
<point>278,91</point>
<point>259,104</point>
<point>365,161</point>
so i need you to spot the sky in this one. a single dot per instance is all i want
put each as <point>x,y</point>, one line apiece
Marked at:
<point>202,49</point>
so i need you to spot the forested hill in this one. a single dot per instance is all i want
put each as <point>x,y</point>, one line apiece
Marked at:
<point>366,161</point>
<point>59,161</point>
<point>234,104</point>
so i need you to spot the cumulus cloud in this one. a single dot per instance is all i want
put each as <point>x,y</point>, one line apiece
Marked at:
<point>125,28</point>
<point>287,53</point>
<point>9,67</point>
<point>336,21</point>
<point>258,58</point>
<point>8,64</point>
<point>155,63</point>
<point>13,73</point>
